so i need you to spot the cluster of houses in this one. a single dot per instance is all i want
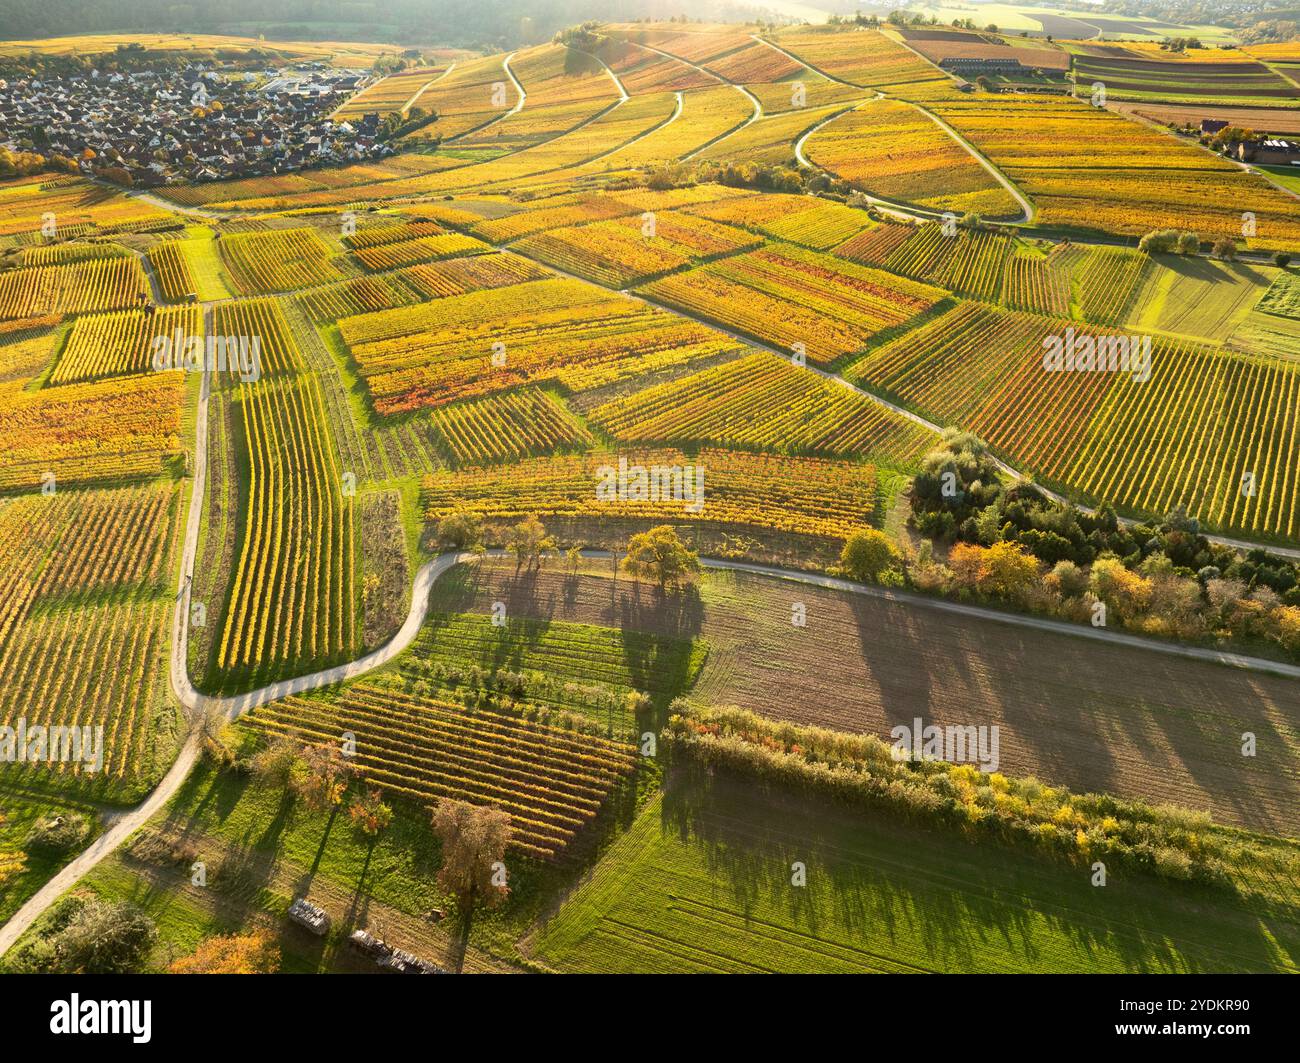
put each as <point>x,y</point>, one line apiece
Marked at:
<point>1262,150</point>
<point>191,123</point>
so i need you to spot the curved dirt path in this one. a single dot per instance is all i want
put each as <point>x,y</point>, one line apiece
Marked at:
<point>406,107</point>
<point>519,104</point>
<point>1027,208</point>
<point>126,824</point>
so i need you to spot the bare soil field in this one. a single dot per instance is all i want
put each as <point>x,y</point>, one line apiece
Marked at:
<point>972,46</point>
<point>1072,712</point>
<point>1261,119</point>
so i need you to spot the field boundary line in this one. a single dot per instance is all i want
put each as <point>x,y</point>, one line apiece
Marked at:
<point>406,107</point>
<point>519,104</point>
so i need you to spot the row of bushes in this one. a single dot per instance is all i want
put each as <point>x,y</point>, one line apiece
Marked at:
<point>1170,842</point>
<point>1011,542</point>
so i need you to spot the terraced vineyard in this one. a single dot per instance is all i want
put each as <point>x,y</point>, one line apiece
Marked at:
<point>507,426</point>
<point>787,296</point>
<point>550,781</point>
<point>1210,430</point>
<point>172,268</point>
<point>766,402</point>
<point>625,251</point>
<point>1036,283</point>
<point>558,398</point>
<point>487,341</point>
<point>804,496</point>
<point>125,342</point>
<point>83,631</point>
<point>913,160</point>
<point>293,598</point>
<point>277,260</point>
<point>121,428</point>
<point>79,287</point>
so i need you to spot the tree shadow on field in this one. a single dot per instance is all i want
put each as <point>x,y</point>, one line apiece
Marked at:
<point>889,893</point>
<point>1212,270</point>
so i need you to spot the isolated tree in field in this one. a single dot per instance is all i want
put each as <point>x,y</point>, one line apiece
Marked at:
<point>867,555</point>
<point>273,765</point>
<point>231,954</point>
<point>528,540</point>
<point>461,530</point>
<point>368,812</point>
<point>473,838</point>
<point>216,741</point>
<point>660,555</point>
<point>319,777</point>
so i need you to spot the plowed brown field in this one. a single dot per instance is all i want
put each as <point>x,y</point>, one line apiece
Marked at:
<point>1086,715</point>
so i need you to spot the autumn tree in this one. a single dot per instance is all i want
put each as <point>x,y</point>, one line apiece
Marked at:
<point>867,555</point>
<point>1008,570</point>
<point>660,555</point>
<point>252,953</point>
<point>461,529</point>
<point>273,764</point>
<point>528,540</point>
<point>368,812</point>
<point>1127,593</point>
<point>319,777</point>
<point>474,838</point>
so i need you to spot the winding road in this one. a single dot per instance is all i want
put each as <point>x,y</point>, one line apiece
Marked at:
<point>200,706</point>
<point>124,825</point>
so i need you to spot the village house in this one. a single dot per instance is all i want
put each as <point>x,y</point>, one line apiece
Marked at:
<point>191,123</point>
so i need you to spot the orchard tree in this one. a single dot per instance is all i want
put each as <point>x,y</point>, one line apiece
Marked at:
<point>528,540</point>
<point>474,840</point>
<point>461,529</point>
<point>660,555</point>
<point>319,777</point>
<point>368,812</point>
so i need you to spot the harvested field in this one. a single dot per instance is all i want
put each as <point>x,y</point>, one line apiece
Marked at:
<point>1124,720</point>
<point>1262,119</point>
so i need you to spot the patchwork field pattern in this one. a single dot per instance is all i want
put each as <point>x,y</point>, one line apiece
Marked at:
<point>506,427</point>
<point>912,160</point>
<point>277,260</point>
<point>79,287</point>
<point>104,345</point>
<point>83,630</point>
<point>1209,421</point>
<point>625,251</point>
<point>793,299</point>
<point>487,341</point>
<point>765,402</point>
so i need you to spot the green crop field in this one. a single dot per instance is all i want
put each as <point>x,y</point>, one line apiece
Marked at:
<point>702,883</point>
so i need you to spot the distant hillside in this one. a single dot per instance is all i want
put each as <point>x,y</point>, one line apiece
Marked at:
<point>500,23</point>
